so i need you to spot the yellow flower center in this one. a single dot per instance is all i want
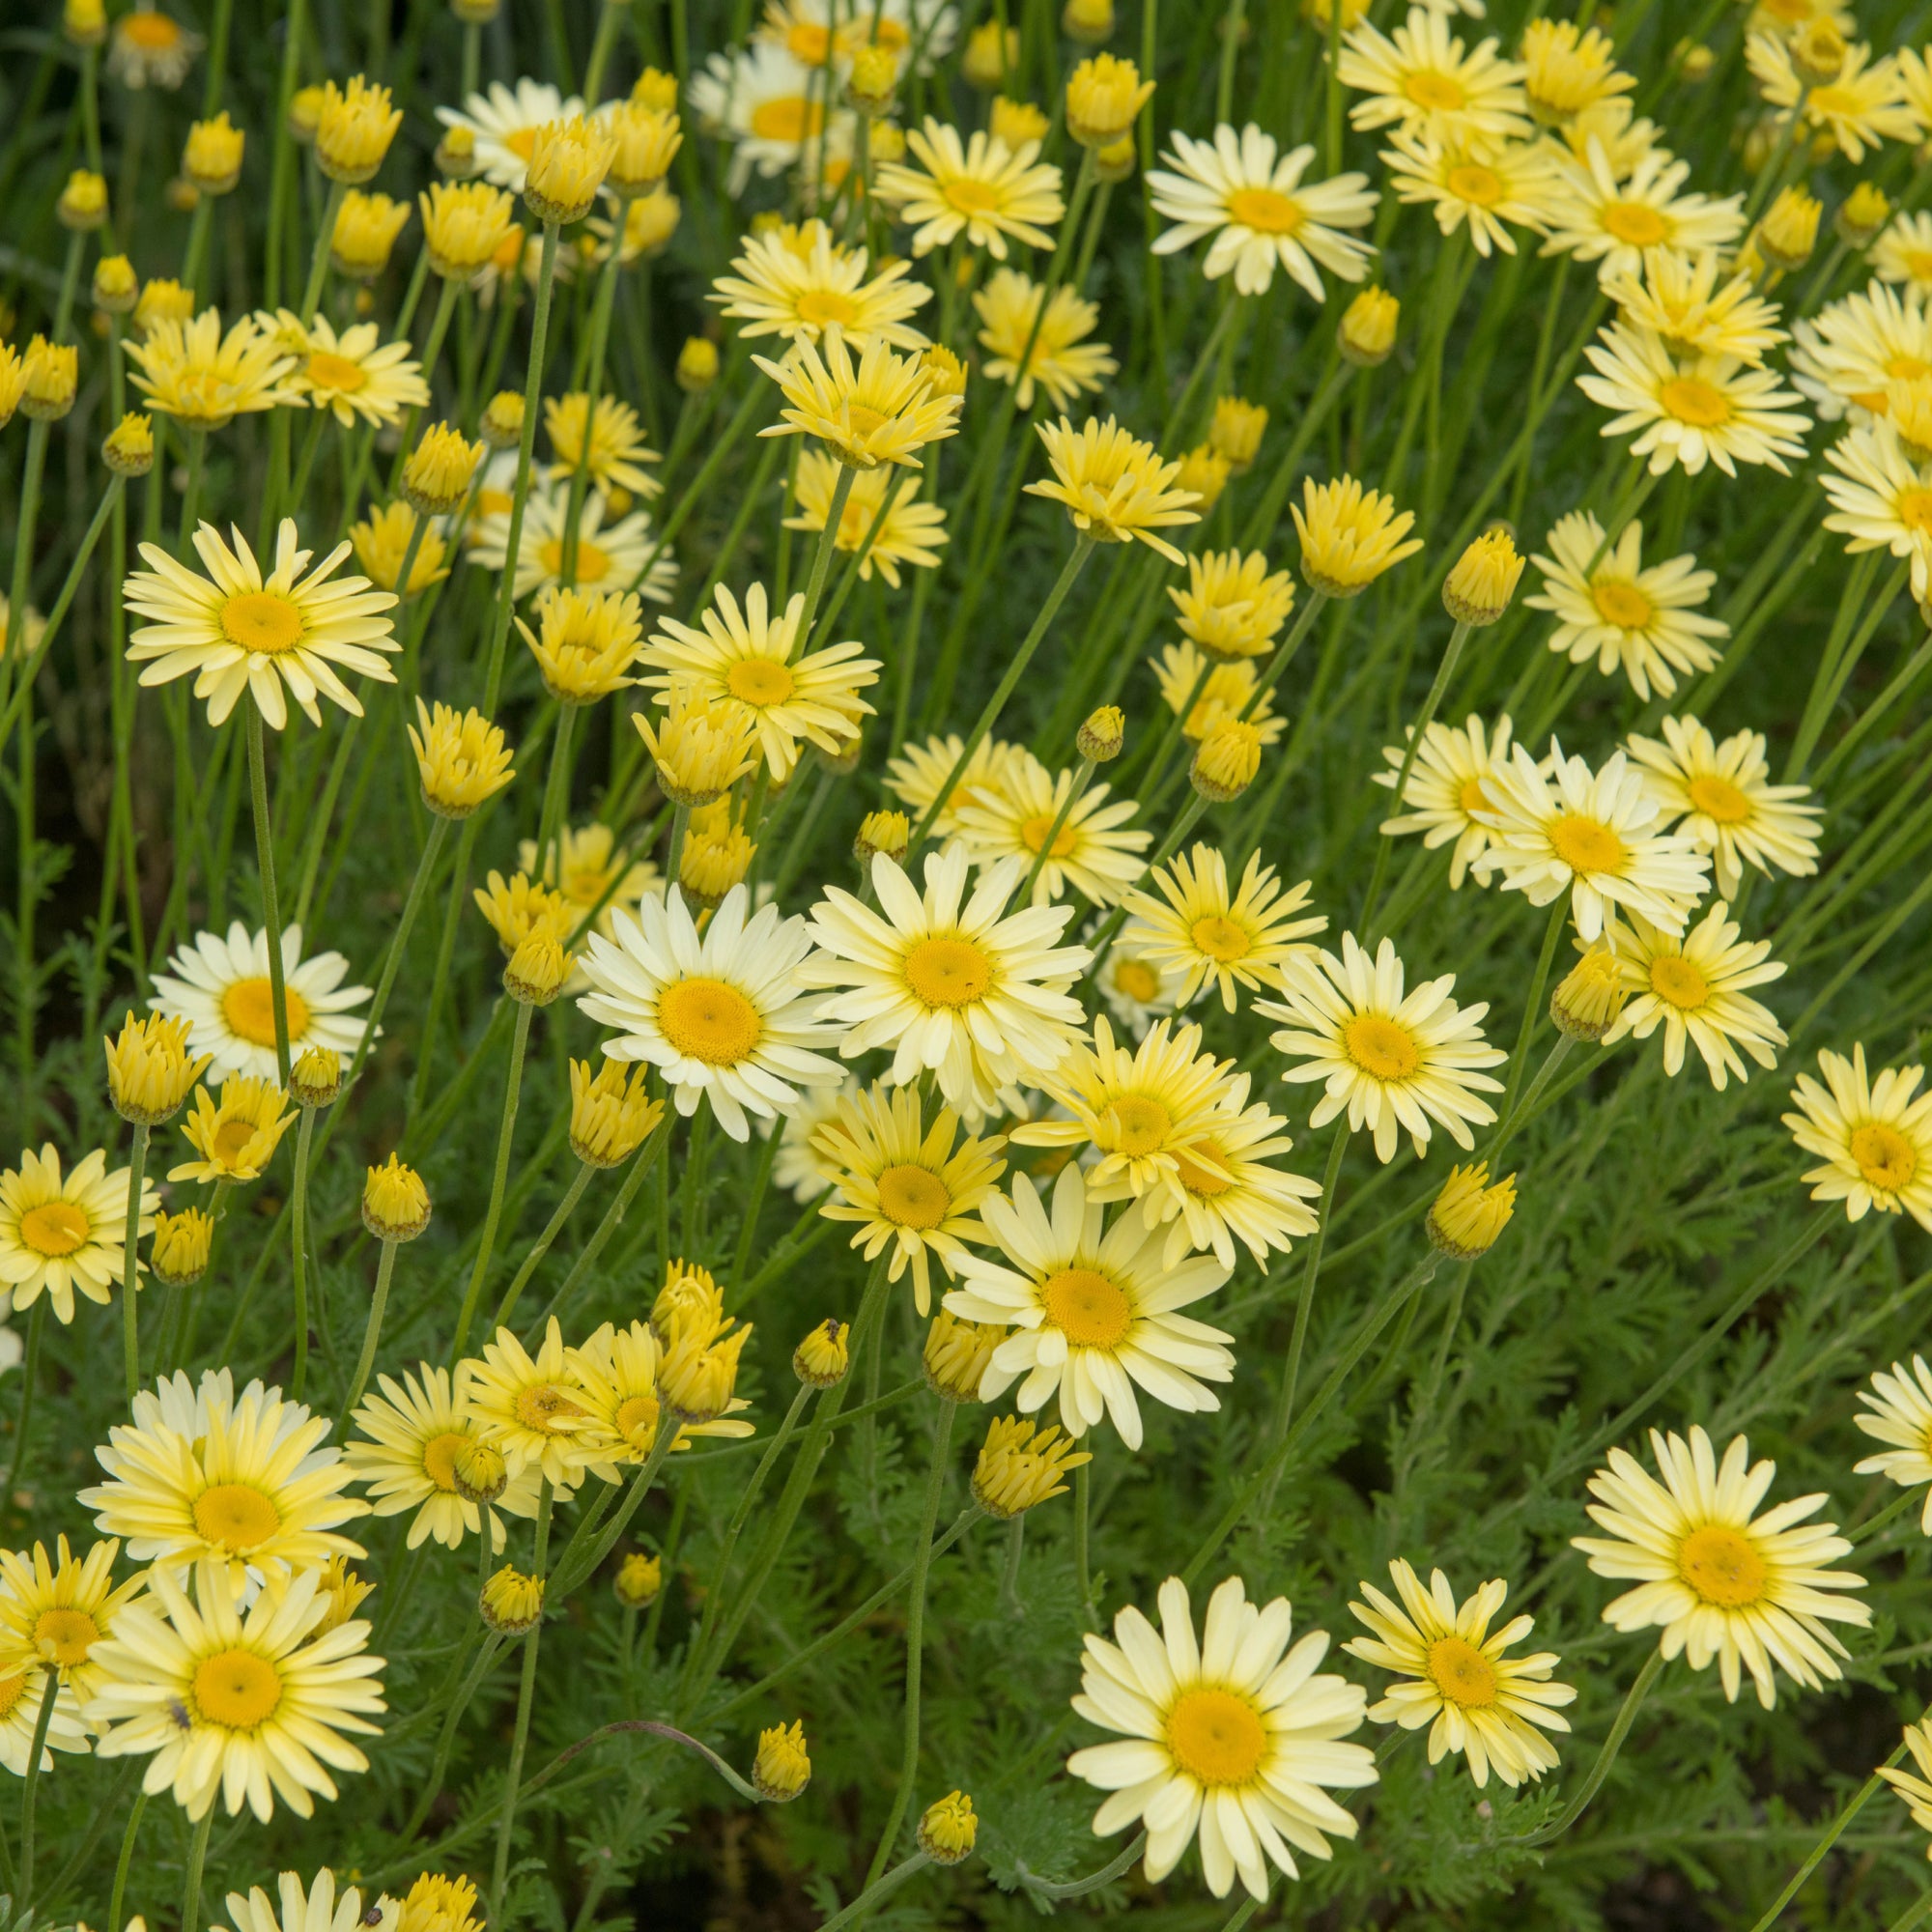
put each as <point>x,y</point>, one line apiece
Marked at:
<point>1141,1125</point>
<point>1721,1565</point>
<point>1622,604</point>
<point>1886,1158</point>
<point>1586,845</point>
<point>1198,1179</point>
<point>259,621</point>
<point>65,1636</point>
<point>440,1454</point>
<point>786,117</point>
<point>237,1690</point>
<point>542,1405</point>
<point>1221,938</point>
<point>1471,796</point>
<point>1438,93</point>
<point>1918,264</point>
<point>1217,1737</point>
<point>522,142</point>
<point>708,1020</point>
<point>911,1196</point>
<point>1828,100</point>
<point>153,33</point>
<point>638,1418</point>
<point>1137,979</point>
<point>1693,401</point>
<point>949,972</point>
<point>1472,181</point>
<point>1674,979</point>
<point>1266,212</point>
<point>1089,1308</point>
<point>593,565</point>
<point>248,1006</point>
<point>1637,226</point>
<point>326,371</point>
<point>55,1227</point>
<point>231,1140</point>
<point>1462,1673</point>
<point>1719,798</point>
<point>1380,1046</point>
<point>759,681</point>
<point>236,1518</point>
<point>864,420</point>
<point>1913,509</point>
<point>971,197</point>
<point>11,1690</point>
<point>823,306</point>
<point>1033,834</point>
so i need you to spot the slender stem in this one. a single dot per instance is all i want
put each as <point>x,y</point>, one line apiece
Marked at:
<point>1284,1414</point>
<point>505,1134</point>
<point>372,1332</point>
<point>1532,1010</point>
<point>541,1246</point>
<point>821,556</point>
<point>317,261</point>
<point>1605,1757</point>
<point>392,960</point>
<point>1083,1510</point>
<point>1009,1575</point>
<point>271,914</point>
<point>299,1252</point>
<point>131,1334</point>
<point>30,1787</point>
<point>125,1863</point>
<point>506,1822</point>
<point>876,1892</point>
<point>30,1374</point>
<point>585,1554</point>
<point>647,1157</point>
<point>197,1856</point>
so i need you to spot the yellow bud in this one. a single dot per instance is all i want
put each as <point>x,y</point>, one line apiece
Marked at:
<point>1102,735</point>
<point>462,759</point>
<point>1788,231</point>
<point>1226,760</point>
<point>512,1602</point>
<point>1696,60</point>
<point>611,1112</point>
<point>1205,471</point>
<point>1862,214</point>
<point>116,287</point>
<point>394,534</point>
<point>638,1579</point>
<point>53,374</point>
<point>700,749</point>
<point>700,1366</point>
<point>874,80</point>
<point>305,113</point>
<point>949,1829</point>
<point>537,970</point>
<point>821,1359</point>
<point>395,1202</point>
<point>181,195</point>
<point>654,88</point>
<point>1469,1215</point>
<point>989,57</point>
<point>455,153</point>
<point>476,12</point>
<point>945,372</point>
<point>316,1077</point>
<point>162,299</point>
<point>1104,94</point>
<point>150,1070</point>
<point>781,1769</point>
<point>129,449</point>
<point>1015,121</point>
<point>1020,1465</point>
<point>1366,333</point>
<point>1350,536</point>
<point>84,22</point>
<point>1235,432</point>
<point>440,468</point>
<point>83,203</point>
<point>696,366</point>
<point>712,863</point>
<point>479,1471</point>
<point>958,1354</point>
<point>568,162</point>
<point>1818,52</point>
<point>353,129</point>
<point>365,234</point>
<point>1590,997</point>
<point>1115,162</point>
<point>343,1592</point>
<point>1090,23</point>
<point>1479,587</point>
<point>502,424</point>
<point>180,1247</point>
<point>646,141</point>
<point>212,157</point>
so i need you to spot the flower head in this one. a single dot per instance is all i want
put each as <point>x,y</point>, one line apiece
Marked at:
<point>1873,1137</point>
<point>1467,1217</point>
<point>978,188</point>
<point>879,409</point>
<point>150,1069</point>
<point>353,129</point>
<point>1115,486</point>
<point>1350,536</point>
<point>783,1766</point>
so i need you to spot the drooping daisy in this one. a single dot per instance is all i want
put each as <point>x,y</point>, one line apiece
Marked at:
<point>150,48</point>
<point>614,453</point>
<point>1680,298</point>
<point>744,660</point>
<point>1862,105</point>
<point>764,101</point>
<point>1647,623</point>
<point>907,1184</point>
<point>531,1407</point>
<point>1853,350</point>
<point>1880,498</point>
<point>617,1369</point>
<point>803,285</point>
<point>1723,802</point>
<point>609,557</point>
<point>314,1908</point>
<point>1899,1415</point>
<point>220,986</point>
<point>1392,1058</point>
<point>355,375</point>
<point>1705,408</point>
<point>1446,787</point>
<point>258,1487</point>
<point>1233,1736</point>
<point>915,774</point>
<point>1200,929</point>
<point>1092,852</point>
<point>913,530</point>
<point>1232,606</point>
<point>189,369</point>
<point>250,1709</point>
<point>1093,1313</point>
<point>1419,77</point>
<point>1491,185</point>
<point>1903,251</point>
<point>1599,835</point>
<point>959,985</point>
<point>880,410</point>
<point>1137,991</point>
<point>1235,188</point>
<point>1598,218</point>
<point>978,188</point>
<point>1873,1137</point>
<point>54,1613</point>
<point>1061,359</point>
<point>1754,1592</point>
<point>1455,1679</point>
<point>504,122</point>
<point>62,1233</point>
<point>240,631</point>
<point>726,1017</point>
<point>1693,987</point>
<point>412,1433</point>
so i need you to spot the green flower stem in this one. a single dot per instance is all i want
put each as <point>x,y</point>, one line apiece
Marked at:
<point>541,1246</point>
<point>125,1863</point>
<point>610,19</point>
<point>506,1818</point>
<point>1532,1011</point>
<point>1913,1914</point>
<point>197,1856</point>
<point>1605,1758</point>
<point>392,960</point>
<point>317,261</point>
<point>455,1706</point>
<point>821,556</point>
<point>30,1787</point>
<point>130,1333</point>
<point>1525,1108</point>
<point>372,1333</point>
<point>760,1182</point>
<point>506,1133</point>
<point>1083,1506</point>
<point>30,1371</point>
<point>1266,516</point>
<point>647,1157</point>
<point>571,1573</point>
<point>1284,1414</point>
<point>33,468</point>
<point>696,1151</point>
<point>265,856</point>
<point>1082,778</point>
<point>1009,1575</point>
<point>556,788</point>
<point>298,1251</point>
<point>1079,1887</point>
<point>439,982</point>
<point>877,1890</point>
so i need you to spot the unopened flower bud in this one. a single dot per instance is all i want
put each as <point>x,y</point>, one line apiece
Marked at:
<point>343,1593</point>
<point>537,970</point>
<point>476,12</point>
<point>365,235</point>
<point>949,1829</point>
<point>129,449</point>
<point>874,80</point>
<point>887,832</point>
<point>1235,432</point>
<point>304,114</point>
<point>647,140</point>
<point>782,1767</point>
<point>180,1247</point>
<point>696,366</point>
<point>439,470</point>
<point>1090,23</point>
<point>83,203</point>
<point>1862,214</point>
<point>639,1580</point>
<point>1818,52</point>
<point>1104,94</point>
<point>1590,997</point>
<point>212,157</point>
<point>700,1366</point>
<point>52,371</point>
<point>84,22</point>
<point>1226,760</point>
<point>479,1471</point>
<point>316,1077</point>
<point>395,1202</point>
<point>1015,121</point>
<point>1478,588</point>
<point>1788,231</point>
<point>1020,1465</point>
<point>116,286</point>
<point>611,1112</point>
<point>512,1604</point>
<point>945,372</point>
<point>1104,733</point>
<point>990,56</point>
<point>654,88</point>
<point>821,1359</point>
<point>150,1070</point>
<point>455,154</point>
<point>1469,1215</point>
<point>1366,333</point>
<point>568,161</point>
<point>1205,471</point>
<point>1695,62</point>
<point>353,129</point>
<point>1115,162</point>
<point>502,424</point>
<point>958,1354</point>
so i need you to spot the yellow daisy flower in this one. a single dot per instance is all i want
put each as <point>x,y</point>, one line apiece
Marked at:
<point>1679,299</point>
<point>1880,498</point>
<point>1598,218</point>
<point>1419,77</point>
<point>1873,1137</point>
<point>1899,1415</point>
<point>54,1611</point>
<point>189,369</point>
<point>804,286</point>
<point>915,772</point>
<point>1903,251</point>
<point>1114,487</point>
<point>880,410</point>
<point>1567,70</point>
<point>237,1137</point>
<point>1221,693</point>
<point>1493,187</point>
<point>62,1233</point>
<point>616,454</point>
<point>355,375</point>
<point>531,1409</point>
<point>914,531</point>
<point>610,556</point>
<point>978,188</point>
<point>1061,360</point>
<point>1234,606</point>
<point>617,1370</point>
<point>1092,852</point>
<point>1861,106</point>
<point>1448,786</point>
<point>1847,355</point>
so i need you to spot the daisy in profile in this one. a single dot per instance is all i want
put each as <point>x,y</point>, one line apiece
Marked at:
<point>1446,787</point>
<point>220,986</point>
<point>1903,251</point>
<point>957,984</point>
<point>63,1233</point>
<point>245,1708</point>
<point>1061,359</point>
<point>1455,1676</point>
<point>1872,1137</point>
<point>879,409</point>
<point>1694,988</point>
<point>412,1433</point>
<point>503,123</point>
<point>1233,1737</point>
<point>915,774</point>
<point>1723,803</point>
<point>763,101</point>
<point>1212,936</point>
<point>1599,835</point>
<point>1092,852</point>
<point>726,1018</point>
<point>978,188</point>
<point>319,1909</point>
<point>1754,1592</point>
<point>746,658</point>
<point>1704,408</point>
<point>150,48</point>
<point>1915,1791</point>
<point>1697,306</point>
<point>1420,78</point>
<point>1880,498</point>
<point>1649,624</point>
<point>1234,606</point>
<point>1899,1415</point>
<point>1393,1060</point>
<point>1598,218</point>
<point>905,1184</point>
<point>1863,105</point>
<point>240,630</point>
<point>1091,1311</point>
<point>355,375</point>
<point>885,521</point>
<point>614,556</point>
<point>614,453</point>
<point>1492,186</point>
<point>1242,190</point>
<point>803,285</point>
<point>531,1409</point>
<point>56,1611</point>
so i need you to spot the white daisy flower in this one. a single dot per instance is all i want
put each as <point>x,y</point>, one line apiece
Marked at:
<point>504,122</point>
